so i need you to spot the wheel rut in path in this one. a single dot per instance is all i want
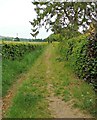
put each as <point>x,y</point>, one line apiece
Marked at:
<point>7,100</point>
<point>58,108</point>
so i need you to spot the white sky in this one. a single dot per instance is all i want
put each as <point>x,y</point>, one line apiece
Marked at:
<point>14,18</point>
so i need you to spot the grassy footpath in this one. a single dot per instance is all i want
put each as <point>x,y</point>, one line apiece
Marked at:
<point>12,69</point>
<point>30,100</point>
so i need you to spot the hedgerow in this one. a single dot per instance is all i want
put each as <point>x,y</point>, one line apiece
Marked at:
<point>17,51</point>
<point>82,54</point>
<point>17,59</point>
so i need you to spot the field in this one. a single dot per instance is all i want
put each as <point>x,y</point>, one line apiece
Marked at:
<point>13,42</point>
<point>37,82</point>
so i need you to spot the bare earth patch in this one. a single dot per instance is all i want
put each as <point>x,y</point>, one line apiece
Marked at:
<point>61,109</point>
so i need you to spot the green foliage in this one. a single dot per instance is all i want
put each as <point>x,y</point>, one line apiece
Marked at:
<point>91,67</point>
<point>67,85</point>
<point>14,64</point>
<point>38,40</point>
<point>59,15</point>
<point>53,37</point>
<point>7,38</point>
<point>20,39</point>
<point>64,34</point>
<point>30,99</point>
<point>16,39</point>
<point>17,51</point>
<point>82,55</point>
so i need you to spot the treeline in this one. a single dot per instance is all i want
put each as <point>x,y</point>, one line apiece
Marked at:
<point>22,39</point>
<point>65,33</point>
<point>39,40</point>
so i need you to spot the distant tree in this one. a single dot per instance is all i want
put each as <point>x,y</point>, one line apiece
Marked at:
<point>16,39</point>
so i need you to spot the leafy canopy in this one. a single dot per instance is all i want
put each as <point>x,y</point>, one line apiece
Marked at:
<point>59,15</point>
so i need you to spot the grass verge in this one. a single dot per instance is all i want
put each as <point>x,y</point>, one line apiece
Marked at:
<point>29,101</point>
<point>70,87</point>
<point>12,69</point>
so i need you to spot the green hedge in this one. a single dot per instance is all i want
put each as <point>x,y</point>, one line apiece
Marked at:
<point>82,55</point>
<point>17,59</point>
<point>17,51</point>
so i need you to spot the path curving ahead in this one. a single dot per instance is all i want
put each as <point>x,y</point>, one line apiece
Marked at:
<point>33,95</point>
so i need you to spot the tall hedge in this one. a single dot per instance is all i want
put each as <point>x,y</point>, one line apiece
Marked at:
<point>82,54</point>
<point>17,51</point>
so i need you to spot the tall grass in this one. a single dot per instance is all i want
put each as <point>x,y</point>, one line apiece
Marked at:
<point>12,69</point>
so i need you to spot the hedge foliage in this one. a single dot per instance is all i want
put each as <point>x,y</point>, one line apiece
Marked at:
<point>14,51</point>
<point>82,54</point>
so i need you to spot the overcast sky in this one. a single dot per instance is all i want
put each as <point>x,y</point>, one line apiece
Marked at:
<point>14,18</point>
